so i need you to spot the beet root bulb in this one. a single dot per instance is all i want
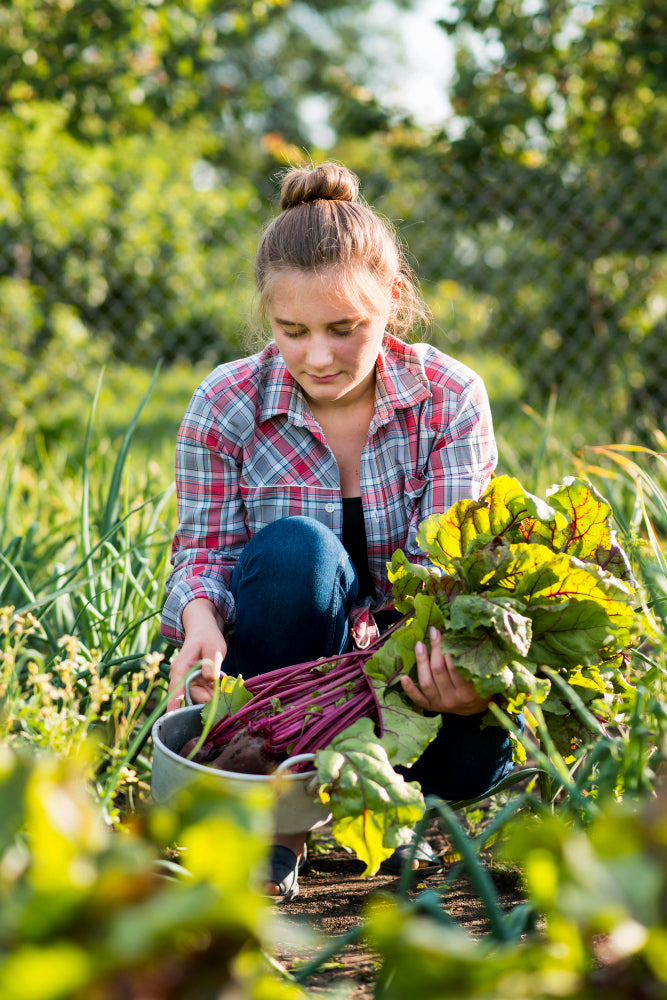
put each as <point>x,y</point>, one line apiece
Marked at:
<point>244,754</point>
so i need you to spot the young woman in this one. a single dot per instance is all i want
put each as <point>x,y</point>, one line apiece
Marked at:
<point>301,469</point>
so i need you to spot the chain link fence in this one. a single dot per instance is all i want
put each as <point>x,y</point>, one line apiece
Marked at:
<point>550,281</point>
<point>553,283</point>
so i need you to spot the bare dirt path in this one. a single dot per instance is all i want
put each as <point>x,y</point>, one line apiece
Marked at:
<point>331,901</point>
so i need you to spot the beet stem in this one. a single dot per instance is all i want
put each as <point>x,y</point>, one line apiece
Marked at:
<point>298,689</point>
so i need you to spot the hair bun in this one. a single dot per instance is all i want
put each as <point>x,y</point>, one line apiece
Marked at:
<point>327,181</point>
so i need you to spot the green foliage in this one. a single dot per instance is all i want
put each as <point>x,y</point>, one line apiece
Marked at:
<point>89,913</point>
<point>560,72</point>
<point>602,892</point>
<point>137,144</point>
<point>87,553</point>
<point>103,234</point>
<point>373,807</point>
<point>66,702</point>
<point>516,586</point>
<point>121,68</point>
<point>548,187</point>
<point>83,559</point>
<point>135,176</point>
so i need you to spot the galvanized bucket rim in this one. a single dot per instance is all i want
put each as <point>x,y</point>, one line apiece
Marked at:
<point>285,775</point>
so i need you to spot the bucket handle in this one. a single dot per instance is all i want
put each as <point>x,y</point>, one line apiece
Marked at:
<point>297,759</point>
<point>187,696</point>
<point>311,787</point>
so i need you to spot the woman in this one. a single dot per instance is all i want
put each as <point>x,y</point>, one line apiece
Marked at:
<point>301,469</point>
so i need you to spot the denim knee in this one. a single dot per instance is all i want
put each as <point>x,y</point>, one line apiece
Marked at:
<point>465,760</point>
<point>294,587</point>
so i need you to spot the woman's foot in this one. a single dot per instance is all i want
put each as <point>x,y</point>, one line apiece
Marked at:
<point>287,858</point>
<point>424,858</point>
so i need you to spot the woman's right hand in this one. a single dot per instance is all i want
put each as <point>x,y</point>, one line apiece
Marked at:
<point>204,644</point>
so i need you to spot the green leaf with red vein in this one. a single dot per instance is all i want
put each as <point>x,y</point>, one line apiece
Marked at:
<point>374,809</point>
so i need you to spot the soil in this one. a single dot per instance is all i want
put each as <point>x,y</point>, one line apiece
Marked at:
<point>333,894</point>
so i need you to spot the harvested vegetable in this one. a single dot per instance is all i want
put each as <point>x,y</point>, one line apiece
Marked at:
<point>301,708</point>
<point>298,709</point>
<point>534,600</point>
<point>531,598</point>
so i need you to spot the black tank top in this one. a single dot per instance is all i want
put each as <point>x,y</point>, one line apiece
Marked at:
<point>354,540</point>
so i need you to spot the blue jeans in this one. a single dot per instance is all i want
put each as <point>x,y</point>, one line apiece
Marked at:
<point>294,586</point>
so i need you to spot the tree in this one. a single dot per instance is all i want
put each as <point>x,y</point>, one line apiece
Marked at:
<point>138,140</point>
<point>117,66</point>
<point>551,184</point>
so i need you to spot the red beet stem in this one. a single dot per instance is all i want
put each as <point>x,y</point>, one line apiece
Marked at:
<point>293,727</point>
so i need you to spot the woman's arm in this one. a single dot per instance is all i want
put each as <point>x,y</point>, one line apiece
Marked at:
<point>464,454</point>
<point>462,457</point>
<point>205,643</point>
<point>210,536</point>
<point>211,531</point>
<point>460,466</point>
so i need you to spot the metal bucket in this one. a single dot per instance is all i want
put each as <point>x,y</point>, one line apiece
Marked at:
<point>297,806</point>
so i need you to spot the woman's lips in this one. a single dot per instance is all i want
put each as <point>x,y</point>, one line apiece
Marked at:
<point>324,378</point>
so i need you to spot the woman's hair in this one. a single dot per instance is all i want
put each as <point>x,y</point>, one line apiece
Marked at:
<point>323,224</point>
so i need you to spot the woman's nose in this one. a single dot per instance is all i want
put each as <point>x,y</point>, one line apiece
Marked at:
<point>319,354</point>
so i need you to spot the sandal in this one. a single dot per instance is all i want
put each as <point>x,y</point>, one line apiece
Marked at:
<point>425,858</point>
<point>284,870</point>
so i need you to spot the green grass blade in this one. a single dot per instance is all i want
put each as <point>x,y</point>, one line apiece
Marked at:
<point>108,516</point>
<point>478,874</point>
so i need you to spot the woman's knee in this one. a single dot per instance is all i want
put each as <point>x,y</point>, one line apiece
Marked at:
<point>300,560</point>
<point>465,760</point>
<point>298,540</point>
<point>294,586</point>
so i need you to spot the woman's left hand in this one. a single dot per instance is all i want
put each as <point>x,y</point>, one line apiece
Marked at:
<point>440,686</point>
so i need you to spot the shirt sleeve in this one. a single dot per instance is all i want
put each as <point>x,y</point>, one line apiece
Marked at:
<point>462,458</point>
<point>211,529</point>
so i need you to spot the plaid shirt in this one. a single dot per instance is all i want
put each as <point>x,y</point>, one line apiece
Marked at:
<point>249,451</point>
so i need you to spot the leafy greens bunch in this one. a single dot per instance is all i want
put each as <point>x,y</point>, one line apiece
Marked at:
<point>530,598</point>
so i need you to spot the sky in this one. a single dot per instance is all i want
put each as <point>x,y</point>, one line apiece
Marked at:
<point>419,84</point>
<point>428,53</point>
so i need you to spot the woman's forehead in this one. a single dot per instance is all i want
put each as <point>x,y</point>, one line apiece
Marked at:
<point>332,289</point>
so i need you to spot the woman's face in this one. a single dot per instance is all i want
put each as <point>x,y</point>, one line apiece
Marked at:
<point>329,343</point>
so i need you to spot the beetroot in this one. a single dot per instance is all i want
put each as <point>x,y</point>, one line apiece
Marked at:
<point>247,754</point>
<point>188,747</point>
<point>293,710</point>
<point>204,755</point>
<point>244,753</point>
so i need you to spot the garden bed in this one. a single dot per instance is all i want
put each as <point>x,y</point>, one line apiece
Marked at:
<point>331,901</point>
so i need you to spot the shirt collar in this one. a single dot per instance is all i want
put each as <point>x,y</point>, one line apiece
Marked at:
<point>401,380</point>
<point>401,383</point>
<point>280,394</point>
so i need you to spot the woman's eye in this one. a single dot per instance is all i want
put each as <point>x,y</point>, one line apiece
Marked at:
<point>348,330</point>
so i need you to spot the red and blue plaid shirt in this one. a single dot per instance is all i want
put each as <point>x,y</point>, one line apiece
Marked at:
<point>249,451</point>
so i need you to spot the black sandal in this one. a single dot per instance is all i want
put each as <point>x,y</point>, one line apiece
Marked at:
<point>427,860</point>
<point>284,868</point>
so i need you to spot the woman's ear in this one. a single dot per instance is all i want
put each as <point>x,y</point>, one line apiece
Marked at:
<point>395,296</point>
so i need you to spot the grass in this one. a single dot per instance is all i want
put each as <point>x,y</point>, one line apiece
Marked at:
<point>84,556</point>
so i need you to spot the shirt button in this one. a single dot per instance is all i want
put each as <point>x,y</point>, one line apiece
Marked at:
<point>330,508</point>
